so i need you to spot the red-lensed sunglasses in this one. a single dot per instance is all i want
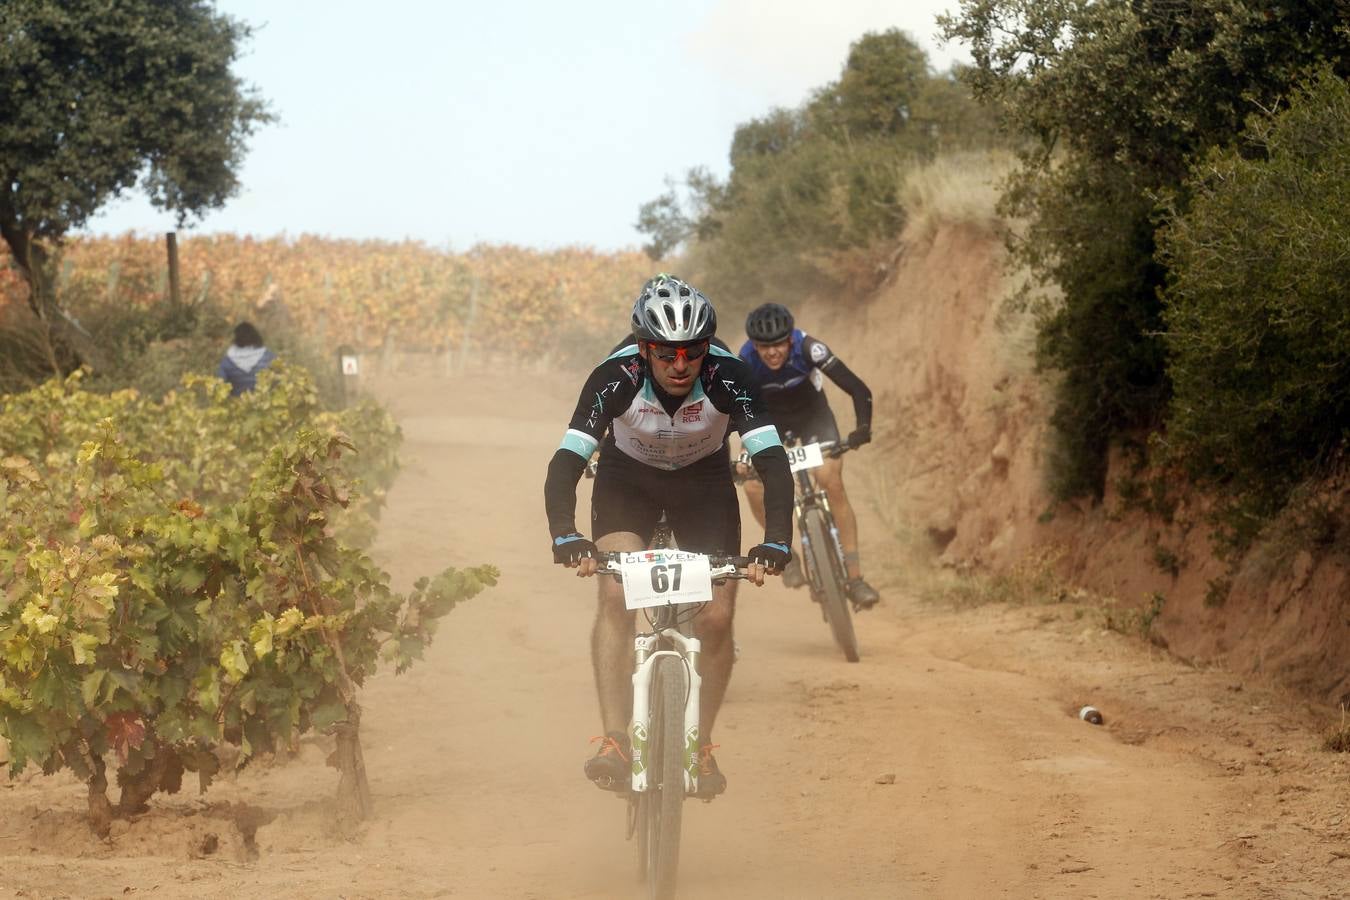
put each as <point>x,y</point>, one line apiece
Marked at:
<point>668,354</point>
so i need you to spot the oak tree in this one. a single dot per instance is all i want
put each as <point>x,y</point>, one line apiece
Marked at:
<point>100,97</point>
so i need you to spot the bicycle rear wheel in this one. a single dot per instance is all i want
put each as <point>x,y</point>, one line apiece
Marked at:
<point>827,580</point>
<point>661,808</point>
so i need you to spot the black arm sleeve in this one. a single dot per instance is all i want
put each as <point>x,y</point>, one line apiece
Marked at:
<point>606,391</point>
<point>843,376</point>
<point>772,465</point>
<point>560,492</point>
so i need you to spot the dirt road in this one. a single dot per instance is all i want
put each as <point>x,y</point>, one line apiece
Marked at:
<point>947,764</point>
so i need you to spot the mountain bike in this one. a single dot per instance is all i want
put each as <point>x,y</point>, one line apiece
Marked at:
<point>671,587</point>
<point>822,554</point>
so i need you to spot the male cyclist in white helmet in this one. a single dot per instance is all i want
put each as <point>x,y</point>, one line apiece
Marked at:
<point>668,400</point>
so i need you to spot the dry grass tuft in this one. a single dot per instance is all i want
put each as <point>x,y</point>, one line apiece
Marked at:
<point>1032,580</point>
<point>957,189</point>
<point>1337,739</point>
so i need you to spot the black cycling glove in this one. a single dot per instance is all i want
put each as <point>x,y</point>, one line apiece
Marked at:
<point>774,557</point>
<point>861,435</point>
<point>572,548</point>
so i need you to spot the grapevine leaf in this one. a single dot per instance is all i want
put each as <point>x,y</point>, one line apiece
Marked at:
<point>126,732</point>
<point>190,578</point>
<point>89,687</point>
<point>327,714</point>
<point>234,661</point>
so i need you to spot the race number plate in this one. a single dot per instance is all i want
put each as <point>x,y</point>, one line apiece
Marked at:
<point>807,456</point>
<point>665,578</point>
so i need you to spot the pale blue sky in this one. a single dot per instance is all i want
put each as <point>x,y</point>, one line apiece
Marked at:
<point>517,121</point>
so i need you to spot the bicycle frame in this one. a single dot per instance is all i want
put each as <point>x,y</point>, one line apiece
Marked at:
<point>823,560</point>
<point>671,636</point>
<point>810,495</point>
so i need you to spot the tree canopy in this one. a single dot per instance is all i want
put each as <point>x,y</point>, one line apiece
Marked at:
<point>1258,305</point>
<point>814,191</point>
<point>1117,98</point>
<point>99,97</point>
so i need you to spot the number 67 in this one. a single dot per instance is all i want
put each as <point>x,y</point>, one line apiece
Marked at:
<point>661,583</point>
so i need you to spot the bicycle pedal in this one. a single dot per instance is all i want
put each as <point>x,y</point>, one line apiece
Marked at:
<point>612,785</point>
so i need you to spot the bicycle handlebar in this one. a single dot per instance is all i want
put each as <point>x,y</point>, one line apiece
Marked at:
<point>723,568</point>
<point>830,449</point>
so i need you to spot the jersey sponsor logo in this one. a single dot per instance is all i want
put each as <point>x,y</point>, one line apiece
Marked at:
<point>665,454</point>
<point>693,413</point>
<point>819,352</point>
<point>633,369</point>
<point>743,398</point>
<point>598,407</point>
<point>647,408</point>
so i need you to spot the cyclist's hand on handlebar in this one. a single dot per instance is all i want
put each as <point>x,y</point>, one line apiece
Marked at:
<point>575,552</point>
<point>860,436</point>
<point>767,559</point>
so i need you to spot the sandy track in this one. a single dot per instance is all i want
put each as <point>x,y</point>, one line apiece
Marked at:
<point>1195,788</point>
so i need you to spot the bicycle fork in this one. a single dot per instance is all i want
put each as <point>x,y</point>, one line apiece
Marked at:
<point>645,657</point>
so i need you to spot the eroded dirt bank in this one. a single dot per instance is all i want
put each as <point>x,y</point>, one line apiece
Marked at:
<point>1200,783</point>
<point>963,419</point>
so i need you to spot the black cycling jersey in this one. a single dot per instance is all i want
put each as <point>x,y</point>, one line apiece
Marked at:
<point>794,390</point>
<point>665,433</point>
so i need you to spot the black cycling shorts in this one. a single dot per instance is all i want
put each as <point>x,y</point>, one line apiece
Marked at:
<point>814,422</point>
<point>699,501</point>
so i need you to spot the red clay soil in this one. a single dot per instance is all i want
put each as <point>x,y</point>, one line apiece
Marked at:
<point>964,418</point>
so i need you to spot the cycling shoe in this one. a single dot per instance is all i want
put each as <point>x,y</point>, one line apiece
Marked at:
<point>863,595</point>
<point>611,766</point>
<point>711,781</point>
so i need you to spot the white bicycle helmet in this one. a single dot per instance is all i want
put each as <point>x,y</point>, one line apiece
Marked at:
<point>670,311</point>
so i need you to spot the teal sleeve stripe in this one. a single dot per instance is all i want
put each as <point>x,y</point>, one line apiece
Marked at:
<point>579,442</point>
<point>625,350</point>
<point>718,351</point>
<point>761,439</point>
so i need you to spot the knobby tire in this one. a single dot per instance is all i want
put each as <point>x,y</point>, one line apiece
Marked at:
<point>662,806</point>
<point>827,577</point>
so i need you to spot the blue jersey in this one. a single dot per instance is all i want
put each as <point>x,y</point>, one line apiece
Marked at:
<point>797,384</point>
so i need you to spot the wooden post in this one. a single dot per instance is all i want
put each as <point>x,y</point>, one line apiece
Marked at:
<point>171,243</point>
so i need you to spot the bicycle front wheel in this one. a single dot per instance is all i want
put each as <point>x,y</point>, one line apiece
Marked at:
<point>662,807</point>
<point>827,580</point>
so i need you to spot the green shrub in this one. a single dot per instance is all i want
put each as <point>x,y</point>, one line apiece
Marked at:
<point>1257,307</point>
<point>1114,100</point>
<point>171,580</point>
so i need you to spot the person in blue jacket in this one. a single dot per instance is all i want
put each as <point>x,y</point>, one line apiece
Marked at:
<point>246,357</point>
